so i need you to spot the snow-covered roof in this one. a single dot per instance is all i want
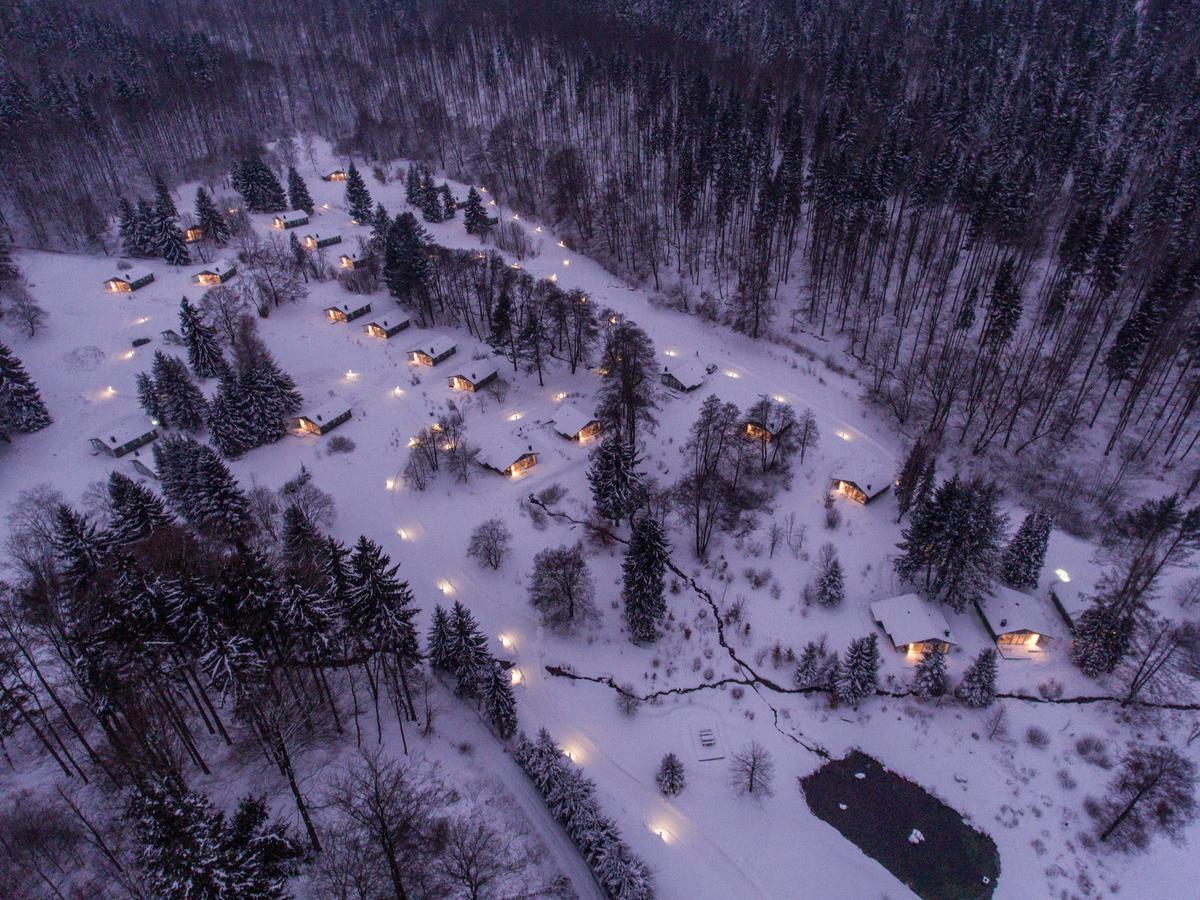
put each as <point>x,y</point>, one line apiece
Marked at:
<point>292,215</point>
<point>353,256</point>
<point>570,420</point>
<point>502,452</point>
<point>434,347</point>
<point>1007,610</point>
<point>327,411</point>
<point>137,273</point>
<point>125,429</point>
<point>1072,596</point>
<point>221,267</point>
<point>910,619</point>
<point>870,472</point>
<point>320,236</point>
<point>476,371</point>
<point>688,371</point>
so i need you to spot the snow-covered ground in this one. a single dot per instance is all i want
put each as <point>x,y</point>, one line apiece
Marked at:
<point>708,842</point>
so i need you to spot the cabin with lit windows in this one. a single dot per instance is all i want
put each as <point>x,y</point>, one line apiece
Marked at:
<point>293,218</point>
<point>1019,623</point>
<point>346,312</point>
<point>217,273</point>
<point>386,328</point>
<point>913,624</point>
<point>315,240</point>
<point>128,281</point>
<point>861,480</point>
<point>323,419</point>
<point>125,436</point>
<point>433,351</point>
<point>576,425</point>
<point>508,456</point>
<point>475,376</point>
<point>353,260</point>
<point>684,374</point>
<point>335,175</point>
<point>193,234</point>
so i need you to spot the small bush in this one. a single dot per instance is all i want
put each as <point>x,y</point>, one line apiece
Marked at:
<point>1037,737</point>
<point>1092,750</point>
<point>626,702</point>
<point>1051,689</point>
<point>340,444</point>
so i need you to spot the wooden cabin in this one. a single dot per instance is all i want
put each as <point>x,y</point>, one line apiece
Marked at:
<point>322,420</point>
<point>335,175</point>
<point>346,313</point>
<point>433,351</point>
<point>386,328</point>
<point>913,624</point>
<point>293,218</point>
<point>684,374</point>
<point>315,240</point>
<point>353,260</point>
<point>217,273</point>
<point>128,281</point>
<point>862,480</point>
<point>125,436</point>
<point>475,376</point>
<point>575,424</point>
<point>193,234</point>
<point>508,457</point>
<point>1019,623</point>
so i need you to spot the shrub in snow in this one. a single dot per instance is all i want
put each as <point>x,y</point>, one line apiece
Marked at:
<point>929,678</point>
<point>978,687</point>
<point>1037,737</point>
<point>859,675</point>
<point>831,583</point>
<point>670,777</point>
<point>339,443</point>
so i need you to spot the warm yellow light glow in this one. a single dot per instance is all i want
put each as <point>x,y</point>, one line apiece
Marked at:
<point>561,395</point>
<point>128,354</point>
<point>566,262</point>
<point>491,203</point>
<point>779,398</point>
<point>561,244</point>
<point>483,190</point>
<point>351,375</point>
<point>538,229</point>
<point>324,206</point>
<point>662,832</point>
<point>397,391</point>
<point>505,641</point>
<point>844,435</point>
<point>402,533</point>
<point>671,353</point>
<point>515,675</point>
<point>554,278</point>
<point>436,426</point>
<point>732,374</point>
<point>514,417</point>
<point>613,320</point>
<point>142,320</point>
<point>391,483</point>
<point>515,266</point>
<point>516,218</point>
<point>445,587</point>
<point>110,390</point>
<point>1062,575</point>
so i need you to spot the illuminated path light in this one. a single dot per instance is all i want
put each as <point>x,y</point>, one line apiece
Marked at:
<point>1062,575</point>
<point>515,674</point>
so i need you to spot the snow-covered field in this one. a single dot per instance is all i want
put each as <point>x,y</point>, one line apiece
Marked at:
<point>708,842</point>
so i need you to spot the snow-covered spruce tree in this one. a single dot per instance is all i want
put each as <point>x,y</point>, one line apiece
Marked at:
<point>929,678</point>
<point>978,687</point>
<point>21,406</point>
<point>1103,635</point>
<point>185,848</point>
<point>143,229</point>
<point>259,187</point>
<point>859,675</point>
<point>817,668</point>
<point>438,643</point>
<point>469,659</point>
<point>831,582</point>
<point>76,545</point>
<point>476,221</point>
<point>670,777</point>
<point>8,268</point>
<point>908,484</point>
<point>643,568</point>
<point>616,484</point>
<point>163,201</point>
<point>406,265</point>
<point>358,198</point>
<point>204,353</point>
<point>499,701</point>
<point>180,403</point>
<point>230,420</point>
<point>298,195</point>
<point>147,395</point>
<point>200,489</point>
<point>175,459</point>
<point>134,511</point>
<point>168,238</point>
<point>628,394</point>
<point>210,220</point>
<point>449,204</point>
<point>431,200</point>
<point>1021,564</point>
<point>412,185</point>
<point>127,228</point>
<point>381,223</point>
<point>301,542</point>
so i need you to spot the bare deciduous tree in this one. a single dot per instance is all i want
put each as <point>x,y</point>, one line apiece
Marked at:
<point>1154,792</point>
<point>476,856</point>
<point>490,543</point>
<point>560,587</point>
<point>752,771</point>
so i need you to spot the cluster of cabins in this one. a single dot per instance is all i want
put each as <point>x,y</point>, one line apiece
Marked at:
<point>1020,624</point>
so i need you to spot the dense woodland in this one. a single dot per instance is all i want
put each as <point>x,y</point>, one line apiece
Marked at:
<point>994,205</point>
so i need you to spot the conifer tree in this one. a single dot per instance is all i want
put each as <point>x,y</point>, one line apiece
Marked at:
<point>302,543</point>
<point>204,353</point>
<point>358,198</point>
<point>230,419</point>
<point>431,200</point>
<point>407,268</point>
<point>467,651</point>
<point>8,268</point>
<point>502,337</point>
<point>167,237</point>
<point>127,228</point>
<point>147,395</point>
<point>438,644</point>
<point>210,220</point>
<point>831,583</point>
<point>911,474</point>
<point>180,402</point>
<point>381,223</point>
<point>475,218</point>
<point>298,195</point>
<point>499,701</point>
<point>1004,309</point>
<point>1021,564</point>
<point>670,777</point>
<point>134,511</point>
<point>144,236</point>
<point>164,203</point>
<point>449,204</point>
<point>643,567</point>
<point>616,484</point>
<point>412,186</point>
<point>222,510</point>
<point>978,687</point>
<point>79,550</point>
<point>1103,635</point>
<point>859,675</point>
<point>21,406</point>
<point>929,678</point>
